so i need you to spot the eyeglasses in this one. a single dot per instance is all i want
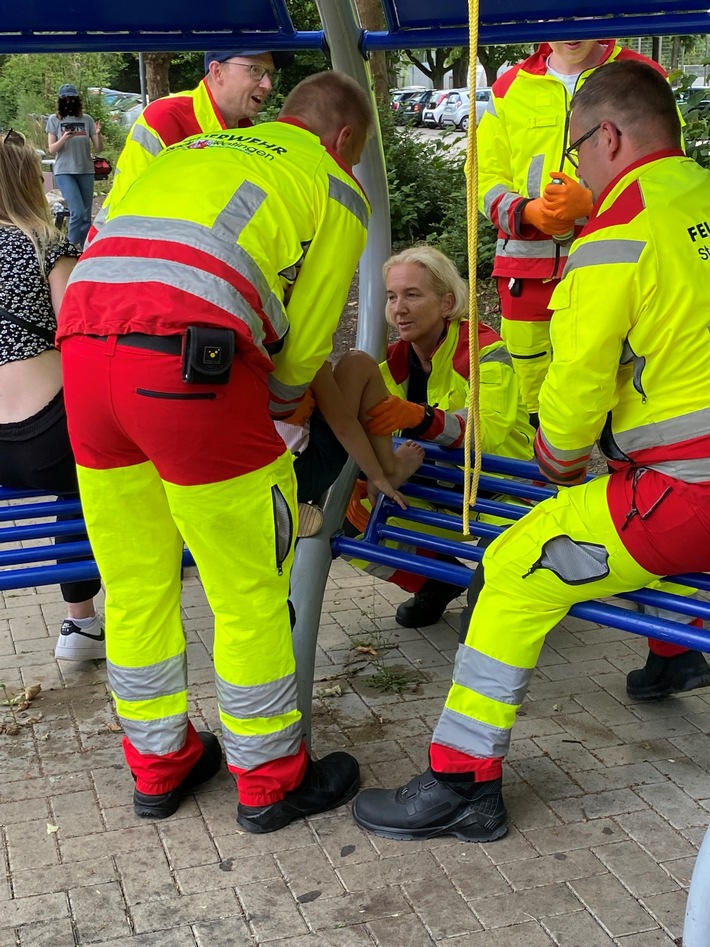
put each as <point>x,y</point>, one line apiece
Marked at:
<point>257,73</point>
<point>571,152</point>
<point>14,138</point>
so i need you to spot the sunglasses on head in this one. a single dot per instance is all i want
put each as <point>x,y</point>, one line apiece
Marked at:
<point>14,138</point>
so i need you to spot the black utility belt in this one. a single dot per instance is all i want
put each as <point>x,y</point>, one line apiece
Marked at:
<point>207,352</point>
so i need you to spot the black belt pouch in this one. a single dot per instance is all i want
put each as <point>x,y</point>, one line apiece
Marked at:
<point>207,355</point>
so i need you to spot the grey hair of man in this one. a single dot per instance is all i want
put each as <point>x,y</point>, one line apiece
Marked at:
<point>636,98</point>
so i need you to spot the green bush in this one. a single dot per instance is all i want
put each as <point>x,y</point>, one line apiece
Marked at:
<point>427,190</point>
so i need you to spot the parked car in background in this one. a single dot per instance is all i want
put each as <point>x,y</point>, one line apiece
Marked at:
<point>458,104</point>
<point>123,107</point>
<point>434,107</point>
<point>411,110</point>
<point>401,95</point>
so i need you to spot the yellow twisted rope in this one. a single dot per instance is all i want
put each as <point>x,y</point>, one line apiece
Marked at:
<point>473,422</point>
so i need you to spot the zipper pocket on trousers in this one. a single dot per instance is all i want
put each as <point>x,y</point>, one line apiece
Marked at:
<point>178,395</point>
<point>283,527</point>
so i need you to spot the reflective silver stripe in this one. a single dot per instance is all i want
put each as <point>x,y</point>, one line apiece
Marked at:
<point>490,677</point>
<point>189,279</point>
<point>532,249</point>
<point>272,699</point>
<point>537,166</point>
<point>284,395</point>
<point>238,212</point>
<point>499,354</point>
<point>100,218</point>
<point>248,752</point>
<point>604,252</point>
<point>692,471</point>
<point>662,433</point>
<point>146,683</point>
<point>563,455</point>
<point>471,736</point>
<point>158,737</point>
<point>492,196</point>
<point>216,243</point>
<point>147,139</point>
<point>491,107</point>
<point>452,428</point>
<point>347,196</point>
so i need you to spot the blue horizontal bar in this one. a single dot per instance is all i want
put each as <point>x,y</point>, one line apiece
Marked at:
<point>53,575</point>
<point>598,612</point>
<point>536,32</point>
<point>132,42</point>
<point>16,557</point>
<point>18,534</point>
<point>29,511</point>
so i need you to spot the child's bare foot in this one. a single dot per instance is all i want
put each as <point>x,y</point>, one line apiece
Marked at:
<point>408,458</point>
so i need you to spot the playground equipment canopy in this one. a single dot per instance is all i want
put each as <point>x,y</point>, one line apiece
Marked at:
<point>134,25</point>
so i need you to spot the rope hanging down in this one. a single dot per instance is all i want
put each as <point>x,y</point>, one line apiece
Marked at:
<point>473,421</point>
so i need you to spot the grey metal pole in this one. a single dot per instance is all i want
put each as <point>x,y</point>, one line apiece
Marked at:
<point>696,930</point>
<point>141,75</point>
<point>313,555</point>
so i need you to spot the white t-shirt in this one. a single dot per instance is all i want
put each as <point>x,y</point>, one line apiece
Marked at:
<point>569,81</point>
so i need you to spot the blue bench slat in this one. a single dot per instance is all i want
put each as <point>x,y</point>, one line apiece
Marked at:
<point>39,510</point>
<point>18,534</point>
<point>15,557</point>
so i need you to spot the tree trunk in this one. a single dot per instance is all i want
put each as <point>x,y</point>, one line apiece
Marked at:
<point>675,53</point>
<point>372,18</point>
<point>460,72</point>
<point>157,78</point>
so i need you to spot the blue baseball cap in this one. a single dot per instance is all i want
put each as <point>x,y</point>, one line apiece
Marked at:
<point>281,57</point>
<point>67,91</point>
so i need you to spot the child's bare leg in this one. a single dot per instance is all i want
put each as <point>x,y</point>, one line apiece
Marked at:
<point>360,381</point>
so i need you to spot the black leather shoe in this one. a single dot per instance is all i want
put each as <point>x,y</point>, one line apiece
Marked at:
<point>662,677</point>
<point>428,807</point>
<point>167,803</point>
<point>328,783</point>
<point>427,605</point>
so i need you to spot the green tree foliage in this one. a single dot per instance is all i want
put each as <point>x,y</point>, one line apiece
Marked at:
<point>28,91</point>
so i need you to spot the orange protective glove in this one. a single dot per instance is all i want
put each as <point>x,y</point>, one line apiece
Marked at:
<point>536,213</point>
<point>303,411</point>
<point>394,414</point>
<point>569,200</point>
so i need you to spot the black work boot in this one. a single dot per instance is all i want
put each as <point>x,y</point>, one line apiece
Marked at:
<point>427,605</point>
<point>662,677</point>
<point>328,783</point>
<point>165,804</point>
<point>428,807</point>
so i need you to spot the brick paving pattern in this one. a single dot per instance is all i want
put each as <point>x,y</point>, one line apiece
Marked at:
<point>608,802</point>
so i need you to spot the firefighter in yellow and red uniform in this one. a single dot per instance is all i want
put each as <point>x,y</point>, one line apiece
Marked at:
<point>530,191</point>
<point>199,314</point>
<point>426,372</point>
<point>631,367</point>
<point>234,89</point>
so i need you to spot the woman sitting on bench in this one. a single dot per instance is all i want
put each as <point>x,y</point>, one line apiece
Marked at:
<point>35,264</point>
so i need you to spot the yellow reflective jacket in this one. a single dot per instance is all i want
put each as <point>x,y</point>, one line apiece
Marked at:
<point>630,337</point>
<point>505,429</point>
<point>257,230</point>
<point>162,123</point>
<point>521,138</point>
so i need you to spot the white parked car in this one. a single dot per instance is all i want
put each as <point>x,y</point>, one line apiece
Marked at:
<point>434,107</point>
<point>457,107</point>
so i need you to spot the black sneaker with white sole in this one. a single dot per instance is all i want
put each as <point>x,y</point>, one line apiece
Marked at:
<point>427,807</point>
<point>81,644</point>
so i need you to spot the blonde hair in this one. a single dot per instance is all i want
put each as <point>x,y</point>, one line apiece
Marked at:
<point>442,272</point>
<point>22,200</point>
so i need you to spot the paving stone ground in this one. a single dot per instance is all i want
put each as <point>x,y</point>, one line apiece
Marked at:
<point>608,803</point>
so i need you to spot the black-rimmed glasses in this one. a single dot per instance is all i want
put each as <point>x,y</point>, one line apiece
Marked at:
<point>571,152</point>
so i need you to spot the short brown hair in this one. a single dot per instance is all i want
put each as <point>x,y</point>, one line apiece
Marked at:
<point>637,96</point>
<point>326,101</point>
